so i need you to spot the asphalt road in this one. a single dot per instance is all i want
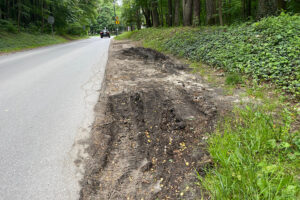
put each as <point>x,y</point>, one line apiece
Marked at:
<point>47,97</point>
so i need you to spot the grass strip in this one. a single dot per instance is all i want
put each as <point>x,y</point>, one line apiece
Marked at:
<point>10,42</point>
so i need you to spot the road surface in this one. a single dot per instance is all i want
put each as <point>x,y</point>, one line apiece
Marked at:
<point>47,97</point>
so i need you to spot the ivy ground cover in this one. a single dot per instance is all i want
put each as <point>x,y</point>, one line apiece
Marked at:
<point>268,50</point>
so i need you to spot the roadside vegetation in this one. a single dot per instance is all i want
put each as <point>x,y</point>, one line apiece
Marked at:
<point>24,24</point>
<point>265,51</point>
<point>256,156</point>
<point>256,149</point>
<point>12,42</point>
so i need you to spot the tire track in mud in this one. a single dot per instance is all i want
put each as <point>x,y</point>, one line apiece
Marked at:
<point>148,138</point>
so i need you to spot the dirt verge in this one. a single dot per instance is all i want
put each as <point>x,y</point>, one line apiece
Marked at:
<point>148,139</point>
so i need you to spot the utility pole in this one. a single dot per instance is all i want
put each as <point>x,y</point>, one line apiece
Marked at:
<point>115,16</point>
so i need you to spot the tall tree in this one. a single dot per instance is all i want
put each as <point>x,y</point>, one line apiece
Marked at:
<point>210,12</point>
<point>266,8</point>
<point>155,16</point>
<point>187,12</point>
<point>176,12</point>
<point>196,12</point>
<point>170,13</point>
<point>220,7</point>
<point>19,13</point>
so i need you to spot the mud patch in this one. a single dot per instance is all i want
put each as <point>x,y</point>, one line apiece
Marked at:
<point>149,135</point>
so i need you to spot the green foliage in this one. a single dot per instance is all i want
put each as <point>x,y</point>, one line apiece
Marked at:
<point>233,79</point>
<point>267,50</point>
<point>8,26</point>
<point>255,157</point>
<point>12,42</point>
<point>31,16</point>
<point>124,35</point>
<point>76,29</point>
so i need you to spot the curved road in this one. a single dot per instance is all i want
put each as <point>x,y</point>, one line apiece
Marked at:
<point>47,97</point>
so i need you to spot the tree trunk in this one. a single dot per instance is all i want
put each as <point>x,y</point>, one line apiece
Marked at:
<point>281,4</point>
<point>147,14</point>
<point>155,14</point>
<point>220,12</point>
<point>170,15</point>
<point>19,14</point>
<point>196,19</point>
<point>14,13</point>
<point>161,14</point>
<point>131,27</point>
<point>42,9</point>
<point>266,8</point>
<point>8,9</point>
<point>249,8</point>
<point>210,12</point>
<point>176,12</point>
<point>138,20</point>
<point>187,12</point>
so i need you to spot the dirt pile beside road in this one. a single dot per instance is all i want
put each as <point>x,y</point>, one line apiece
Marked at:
<point>149,135</point>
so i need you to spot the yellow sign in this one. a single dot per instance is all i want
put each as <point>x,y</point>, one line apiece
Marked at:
<point>117,18</point>
<point>117,22</point>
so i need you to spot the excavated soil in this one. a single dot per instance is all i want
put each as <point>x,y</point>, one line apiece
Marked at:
<point>152,120</point>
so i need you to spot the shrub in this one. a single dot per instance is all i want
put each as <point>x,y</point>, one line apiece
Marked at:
<point>8,25</point>
<point>76,29</point>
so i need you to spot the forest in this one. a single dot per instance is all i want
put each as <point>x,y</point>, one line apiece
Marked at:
<point>77,17</point>
<point>73,17</point>
<point>169,13</point>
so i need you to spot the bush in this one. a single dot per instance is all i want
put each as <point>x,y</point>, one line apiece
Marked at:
<point>8,26</point>
<point>33,28</point>
<point>76,29</point>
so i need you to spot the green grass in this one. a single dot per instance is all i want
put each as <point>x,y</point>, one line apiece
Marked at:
<point>233,79</point>
<point>265,51</point>
<point>255,156</point>
<point>10,42</point>
<point>124,35</point>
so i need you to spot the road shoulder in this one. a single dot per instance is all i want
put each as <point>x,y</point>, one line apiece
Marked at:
<point>150,131</point>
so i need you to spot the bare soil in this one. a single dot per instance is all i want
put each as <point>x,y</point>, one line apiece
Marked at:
<point>152,122</point>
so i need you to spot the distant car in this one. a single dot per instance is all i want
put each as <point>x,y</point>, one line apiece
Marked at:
<point>104,33</point>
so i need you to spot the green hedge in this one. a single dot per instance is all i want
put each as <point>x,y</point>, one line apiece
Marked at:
<point>268,50</point>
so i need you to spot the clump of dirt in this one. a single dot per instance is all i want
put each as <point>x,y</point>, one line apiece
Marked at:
<point>148,139</point>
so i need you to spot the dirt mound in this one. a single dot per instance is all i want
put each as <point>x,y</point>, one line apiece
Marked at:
<point>143,53</point>
<point>148,56</point>
<point>149,135</point>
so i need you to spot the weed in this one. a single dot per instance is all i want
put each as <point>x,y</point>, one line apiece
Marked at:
<point>255,157</point>
<point>233,79</point>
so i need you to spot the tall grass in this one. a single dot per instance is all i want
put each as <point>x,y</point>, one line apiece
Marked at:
<point>255,157</point>
<point>125,35</point>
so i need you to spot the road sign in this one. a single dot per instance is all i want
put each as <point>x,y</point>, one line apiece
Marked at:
<point>117,22</point>
<point>117,18</point>
<point>51,20</point>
